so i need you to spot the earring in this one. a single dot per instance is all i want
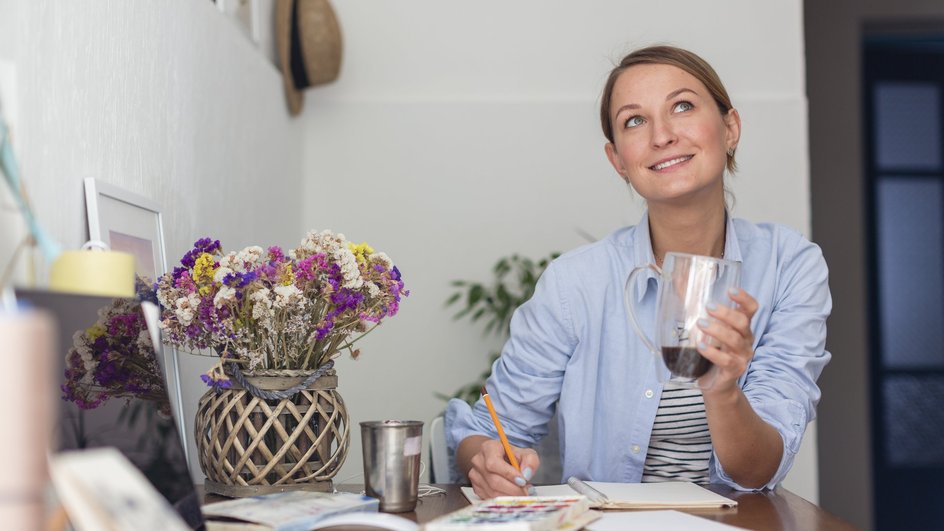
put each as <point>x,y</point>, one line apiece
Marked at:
<point>731,152</point>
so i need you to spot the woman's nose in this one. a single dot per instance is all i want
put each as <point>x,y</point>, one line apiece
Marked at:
<point>662,134</point>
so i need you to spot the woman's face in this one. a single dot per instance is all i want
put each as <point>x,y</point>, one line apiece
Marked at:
<point>670,140</point>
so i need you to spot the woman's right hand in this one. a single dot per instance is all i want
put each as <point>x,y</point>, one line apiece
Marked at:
<point>490,472</point>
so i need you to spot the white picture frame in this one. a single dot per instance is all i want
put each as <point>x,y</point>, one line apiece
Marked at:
<point>125,221</point>
<point>241,11</point>
<point>256,19</point>
<point>263,29</point>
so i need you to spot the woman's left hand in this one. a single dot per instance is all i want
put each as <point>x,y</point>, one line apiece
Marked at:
<point>733,348</point>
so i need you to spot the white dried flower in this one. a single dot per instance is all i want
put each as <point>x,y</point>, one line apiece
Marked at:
<point>349,268</point>
<point>225,295</point>
<point>249,255</point>
<point>163,294</point>
<point>322,242</point>
<point>262,307</point>
<point>382,258</point>
<point>185,308</point>
<point>286,296</point>
<point>144,340</point>
<point>372,289</point>
<point>231,263</point>
<point>80,341</point>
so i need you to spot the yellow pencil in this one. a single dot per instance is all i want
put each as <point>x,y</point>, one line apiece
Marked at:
<point>501,436</point>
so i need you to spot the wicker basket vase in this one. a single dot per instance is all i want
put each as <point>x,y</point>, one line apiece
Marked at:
<point>250,443</point>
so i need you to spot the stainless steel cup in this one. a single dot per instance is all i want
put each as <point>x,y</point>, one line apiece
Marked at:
<point>392,462</point>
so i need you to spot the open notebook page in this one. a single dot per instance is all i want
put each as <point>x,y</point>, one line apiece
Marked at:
<point>638,495</point>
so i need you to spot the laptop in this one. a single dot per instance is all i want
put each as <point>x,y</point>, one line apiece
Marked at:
<point>112,392</point>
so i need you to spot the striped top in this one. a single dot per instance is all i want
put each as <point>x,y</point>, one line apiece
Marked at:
<point>680,444</point>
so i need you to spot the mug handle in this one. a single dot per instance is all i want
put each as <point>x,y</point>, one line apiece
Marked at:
<point>628,292</point>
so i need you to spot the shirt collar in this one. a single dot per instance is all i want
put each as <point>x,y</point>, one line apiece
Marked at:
<point>643,255</point>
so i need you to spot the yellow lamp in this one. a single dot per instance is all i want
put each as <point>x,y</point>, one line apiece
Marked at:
<point>100,272</point>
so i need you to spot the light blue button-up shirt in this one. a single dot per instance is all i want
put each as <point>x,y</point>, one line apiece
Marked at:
<point>572,348</point>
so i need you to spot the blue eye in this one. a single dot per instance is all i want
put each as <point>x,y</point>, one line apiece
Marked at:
<point>634,121</point>
<point>682,106</point>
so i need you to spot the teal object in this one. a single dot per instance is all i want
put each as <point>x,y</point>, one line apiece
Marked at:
<point>11,174</point>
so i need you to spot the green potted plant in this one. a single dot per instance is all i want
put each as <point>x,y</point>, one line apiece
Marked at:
<point>512,284</point>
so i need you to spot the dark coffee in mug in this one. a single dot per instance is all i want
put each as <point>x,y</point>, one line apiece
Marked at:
<point>685,361</point>
<point>687,285</point>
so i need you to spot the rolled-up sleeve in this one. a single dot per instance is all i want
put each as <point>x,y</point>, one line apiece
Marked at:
<point>526,379</point>
<point>790,354</point>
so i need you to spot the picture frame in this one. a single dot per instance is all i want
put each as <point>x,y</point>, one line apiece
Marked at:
<point>128,222</point>
<point>256,20</point>
<point>241,11</point>
<point>263,29</point>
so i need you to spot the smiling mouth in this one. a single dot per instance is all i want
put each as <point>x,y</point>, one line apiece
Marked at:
<point>669,163</point>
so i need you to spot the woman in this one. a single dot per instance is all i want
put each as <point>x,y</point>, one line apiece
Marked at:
<point>671,131</point>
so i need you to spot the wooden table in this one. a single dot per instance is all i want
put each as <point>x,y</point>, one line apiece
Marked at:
<point>778,509</point>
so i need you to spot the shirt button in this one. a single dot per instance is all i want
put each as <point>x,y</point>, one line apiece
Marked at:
<point>649,393</point>
<point>635,448</point>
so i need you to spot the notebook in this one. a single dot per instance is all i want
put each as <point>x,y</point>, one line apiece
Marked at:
<point>116,403</point>
<point>670,495</point>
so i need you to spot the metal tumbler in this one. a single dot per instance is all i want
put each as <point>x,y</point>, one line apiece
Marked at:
<point>392,462</point>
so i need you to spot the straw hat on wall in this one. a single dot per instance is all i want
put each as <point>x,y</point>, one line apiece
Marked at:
<point>309,42</point>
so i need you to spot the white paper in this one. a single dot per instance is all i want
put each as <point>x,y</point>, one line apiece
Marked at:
<point>294,509</point>
<point>661,520</point>
<point>674,493</point>
<point>101,489</point>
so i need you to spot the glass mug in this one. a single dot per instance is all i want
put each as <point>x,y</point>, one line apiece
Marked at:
<point>687,283</point>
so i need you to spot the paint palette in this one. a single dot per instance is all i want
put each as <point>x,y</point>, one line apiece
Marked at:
<point>513,513</point>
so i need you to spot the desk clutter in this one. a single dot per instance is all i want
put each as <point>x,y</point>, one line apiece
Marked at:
<point>564,513</point>
<point>285,511</point>
<point>624,496</point>
<point>519,513</point>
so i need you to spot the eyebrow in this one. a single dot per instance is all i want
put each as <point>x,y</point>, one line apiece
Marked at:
<point>671,95</point>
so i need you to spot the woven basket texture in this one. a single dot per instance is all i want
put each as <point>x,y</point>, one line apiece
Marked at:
<point>249,445</point>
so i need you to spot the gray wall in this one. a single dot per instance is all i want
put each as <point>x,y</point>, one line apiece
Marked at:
<point>834,32</point>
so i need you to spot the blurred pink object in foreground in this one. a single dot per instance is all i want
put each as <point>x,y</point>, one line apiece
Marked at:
<point>26,410</point>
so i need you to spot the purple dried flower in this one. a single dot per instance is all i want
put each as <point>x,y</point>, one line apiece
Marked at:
<point>216,383</point>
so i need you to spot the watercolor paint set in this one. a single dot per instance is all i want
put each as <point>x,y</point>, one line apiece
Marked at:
<point>514,513</point>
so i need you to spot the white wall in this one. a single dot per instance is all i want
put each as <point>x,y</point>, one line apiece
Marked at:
<point>462,132</point>
<point>11,225</point>
<point>165,99</point>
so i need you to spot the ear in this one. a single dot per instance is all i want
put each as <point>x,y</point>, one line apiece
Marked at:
<point>614,159</point>
<point>732,124</point>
